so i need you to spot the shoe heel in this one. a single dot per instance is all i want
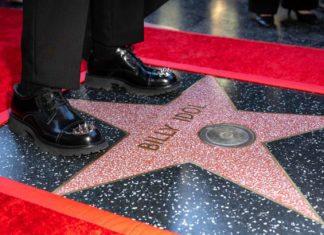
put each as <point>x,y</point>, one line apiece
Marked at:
<point>17,127</point>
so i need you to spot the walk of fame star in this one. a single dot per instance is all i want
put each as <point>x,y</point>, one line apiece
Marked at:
<point>252,167</point>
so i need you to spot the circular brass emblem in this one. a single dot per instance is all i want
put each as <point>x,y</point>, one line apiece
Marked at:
<point>227,135</point>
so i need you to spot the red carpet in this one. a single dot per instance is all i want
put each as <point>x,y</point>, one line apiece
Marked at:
<point>21,217</point>
<point>10,29</point>
<point>27,210</point>
<point>260,62</point>
<point>266,63</point>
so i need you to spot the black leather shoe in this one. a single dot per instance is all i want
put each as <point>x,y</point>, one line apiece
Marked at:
<point>53,124</point>
<point>265,20</point>
<point>125,69</point>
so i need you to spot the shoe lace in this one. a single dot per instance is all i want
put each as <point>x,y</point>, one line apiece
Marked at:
<point>49,100</point>
<point>129,50</point>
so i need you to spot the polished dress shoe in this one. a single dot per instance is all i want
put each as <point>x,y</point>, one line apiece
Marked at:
<point>308,18</point>
<point>53,124</point>
<point>123,68</point>
<point>265,20</point>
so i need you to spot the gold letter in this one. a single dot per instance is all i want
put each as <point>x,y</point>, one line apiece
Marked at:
<point>146,146</point>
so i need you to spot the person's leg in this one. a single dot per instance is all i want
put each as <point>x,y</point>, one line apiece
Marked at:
<point>120,22</point>
<point>265,11</point>
<point>264,7</point>
<point>116,22</point>
<point>115,26</point>
<point>128,24</point>
<point>306,5</point>
<point>303,9</point>
<point>52,43</point>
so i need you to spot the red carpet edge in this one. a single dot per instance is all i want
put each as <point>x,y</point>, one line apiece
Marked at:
<point>267,63</point>
<point>4,117</point>
<point>238,76</point>
<point>76,210</point>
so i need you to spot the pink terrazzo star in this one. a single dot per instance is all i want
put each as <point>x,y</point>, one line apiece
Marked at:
<point>252,167</point>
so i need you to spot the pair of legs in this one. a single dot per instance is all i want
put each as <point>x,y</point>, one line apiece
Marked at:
<point>268,8</point>
<point>53,42</point>
<point>54,33</point>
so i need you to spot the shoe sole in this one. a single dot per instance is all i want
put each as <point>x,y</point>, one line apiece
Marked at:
<point>23,130</point>
<point>107,83</point>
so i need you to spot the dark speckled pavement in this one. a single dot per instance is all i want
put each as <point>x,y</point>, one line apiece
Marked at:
<point>272,186</point>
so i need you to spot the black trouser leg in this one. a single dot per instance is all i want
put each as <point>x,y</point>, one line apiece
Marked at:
<point>118,23</point>
<point>300,4</point>
<point>114,23</point>
<point>264,6</point>
<point>53,34</point>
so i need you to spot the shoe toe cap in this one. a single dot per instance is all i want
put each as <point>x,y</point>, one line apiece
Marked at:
<point>81,137</point>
